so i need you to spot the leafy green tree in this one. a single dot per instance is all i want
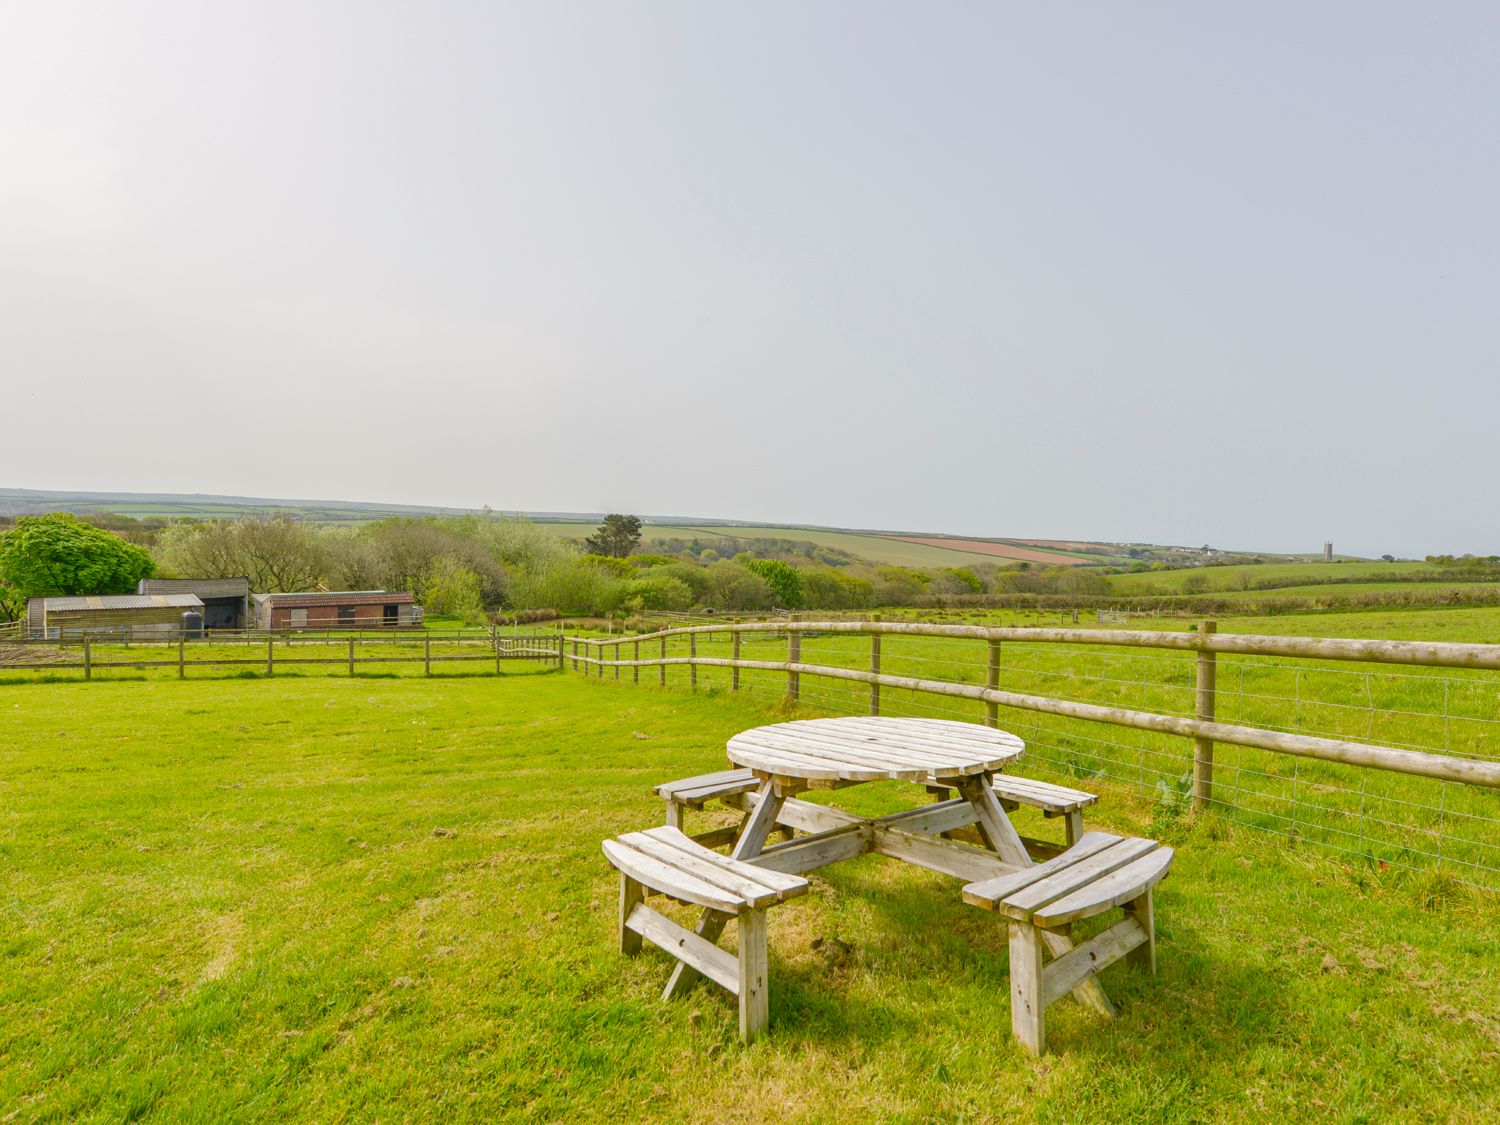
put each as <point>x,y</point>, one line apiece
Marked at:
<point>658,591</point>
<point>59,553</point>
<point>734,587</point>
<point>277,553</point>
<point>826,588</point>
<point>451,589</point>
<point>617,537</point>
<point>783,578</point>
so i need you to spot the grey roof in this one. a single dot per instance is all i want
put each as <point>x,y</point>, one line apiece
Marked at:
<point>122,601</point>
<point>203,587</point>
<point>320,596</point>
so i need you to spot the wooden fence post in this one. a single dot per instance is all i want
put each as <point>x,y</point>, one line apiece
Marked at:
<point>637,659</point>
<point>992,681</point>
<point>427,655</point>
<point>181,658</point>
<point>270,656</point>
<point>617,659</point>
<point>793,656</point>
<point>693,661</point>
<point>88,659</point>
<point>495,636</point>
<point>662,668</point>
<point>875,668</point>
<point>734,673</point>
<point>561,656</point>
<point>1206,687</point>
<point>351,656</point>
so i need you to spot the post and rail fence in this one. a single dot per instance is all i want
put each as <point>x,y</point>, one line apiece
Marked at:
<point>1387,752</point>
<point>1299,713</point>
<point>352,651</point>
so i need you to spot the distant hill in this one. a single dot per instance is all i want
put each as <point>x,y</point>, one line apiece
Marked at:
<point>908,547</point>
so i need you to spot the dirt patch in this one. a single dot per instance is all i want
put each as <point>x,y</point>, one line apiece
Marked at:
<point>32,654</point>
<point>1000,550</point>
<point>1064,544</point>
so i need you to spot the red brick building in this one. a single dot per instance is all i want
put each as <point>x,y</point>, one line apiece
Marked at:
<point>337,609</point>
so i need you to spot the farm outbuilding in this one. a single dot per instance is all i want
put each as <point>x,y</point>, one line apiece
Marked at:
<point>337,609</point>
<point>131,615</point>
<point>226,601</point>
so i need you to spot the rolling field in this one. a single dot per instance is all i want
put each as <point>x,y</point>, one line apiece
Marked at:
<point>322,899</point>
<point>1232,578</point>
<point>874,548</point>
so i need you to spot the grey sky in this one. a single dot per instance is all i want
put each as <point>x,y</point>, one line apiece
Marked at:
<point>1184,273</point>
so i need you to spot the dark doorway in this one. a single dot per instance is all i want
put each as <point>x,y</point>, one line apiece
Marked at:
<point>346,615</point>
<point>391,615</point>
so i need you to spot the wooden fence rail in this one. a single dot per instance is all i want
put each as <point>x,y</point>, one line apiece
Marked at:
<point>1201,728</point>
<point>542,647</point>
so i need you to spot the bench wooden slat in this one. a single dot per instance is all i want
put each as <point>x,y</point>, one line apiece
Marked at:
<point>668,880</point>
<point>758,886</point>
<point>1041,794</point>
<point>1024,903</point>
<point>990,892</point>
<point>707,786</point>
<point>1120,886</point>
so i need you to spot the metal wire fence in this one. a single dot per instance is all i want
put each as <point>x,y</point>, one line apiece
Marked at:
<point>1388,761</point>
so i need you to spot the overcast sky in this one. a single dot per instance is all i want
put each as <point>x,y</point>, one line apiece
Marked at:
<point>1192,273</point>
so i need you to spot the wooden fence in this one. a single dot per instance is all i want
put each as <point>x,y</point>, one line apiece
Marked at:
<point>95,654</point>
<point>1201,727</point>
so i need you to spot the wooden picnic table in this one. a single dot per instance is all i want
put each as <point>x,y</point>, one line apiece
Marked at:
<point>1041,890</point>
<point>792,757</point>
<point>836,753</point>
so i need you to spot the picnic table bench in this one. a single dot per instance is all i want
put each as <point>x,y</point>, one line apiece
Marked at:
<point>1041,901</point>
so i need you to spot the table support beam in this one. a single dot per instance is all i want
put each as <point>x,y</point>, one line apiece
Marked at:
<point>753,835</point>
<point>1001,835</point>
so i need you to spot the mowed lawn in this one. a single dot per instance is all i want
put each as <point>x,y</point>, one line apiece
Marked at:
<point>333,899</point>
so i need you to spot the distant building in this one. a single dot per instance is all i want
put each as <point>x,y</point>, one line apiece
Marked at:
<point>226,601</point>
<point>128,615</point>
<point>1327,552</point>
<point>337,609</point>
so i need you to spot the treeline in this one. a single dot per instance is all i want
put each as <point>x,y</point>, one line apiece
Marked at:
<point>475,566</point>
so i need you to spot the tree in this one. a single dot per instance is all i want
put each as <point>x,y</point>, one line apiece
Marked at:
<point>61,554</point>
<point>278,554</point>
<point>617,537</point>
<point>451,589</point>
<point>658,591</point>
<point>783,578</point>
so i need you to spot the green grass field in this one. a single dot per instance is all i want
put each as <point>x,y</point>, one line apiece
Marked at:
<point>1232,578</point>
<point>332,899</point>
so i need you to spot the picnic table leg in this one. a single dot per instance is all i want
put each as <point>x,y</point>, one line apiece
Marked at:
<point>1003,839</point>
<point>753,836</point>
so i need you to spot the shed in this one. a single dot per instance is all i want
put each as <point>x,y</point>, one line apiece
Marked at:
<point>337,609</point>
<point>131,614</point>
<point>226,601</point>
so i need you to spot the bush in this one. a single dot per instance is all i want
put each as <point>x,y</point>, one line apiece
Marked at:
<point>783,578</point>
<point>451,589</point>
<point>657,591</point>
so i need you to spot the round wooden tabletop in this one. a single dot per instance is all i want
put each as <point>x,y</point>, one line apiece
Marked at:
<point>870,749</point>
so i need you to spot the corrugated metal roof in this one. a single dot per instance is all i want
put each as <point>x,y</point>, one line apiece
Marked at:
<point>203,587</point>
<point>330,597</point>
<point>123,601</point>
